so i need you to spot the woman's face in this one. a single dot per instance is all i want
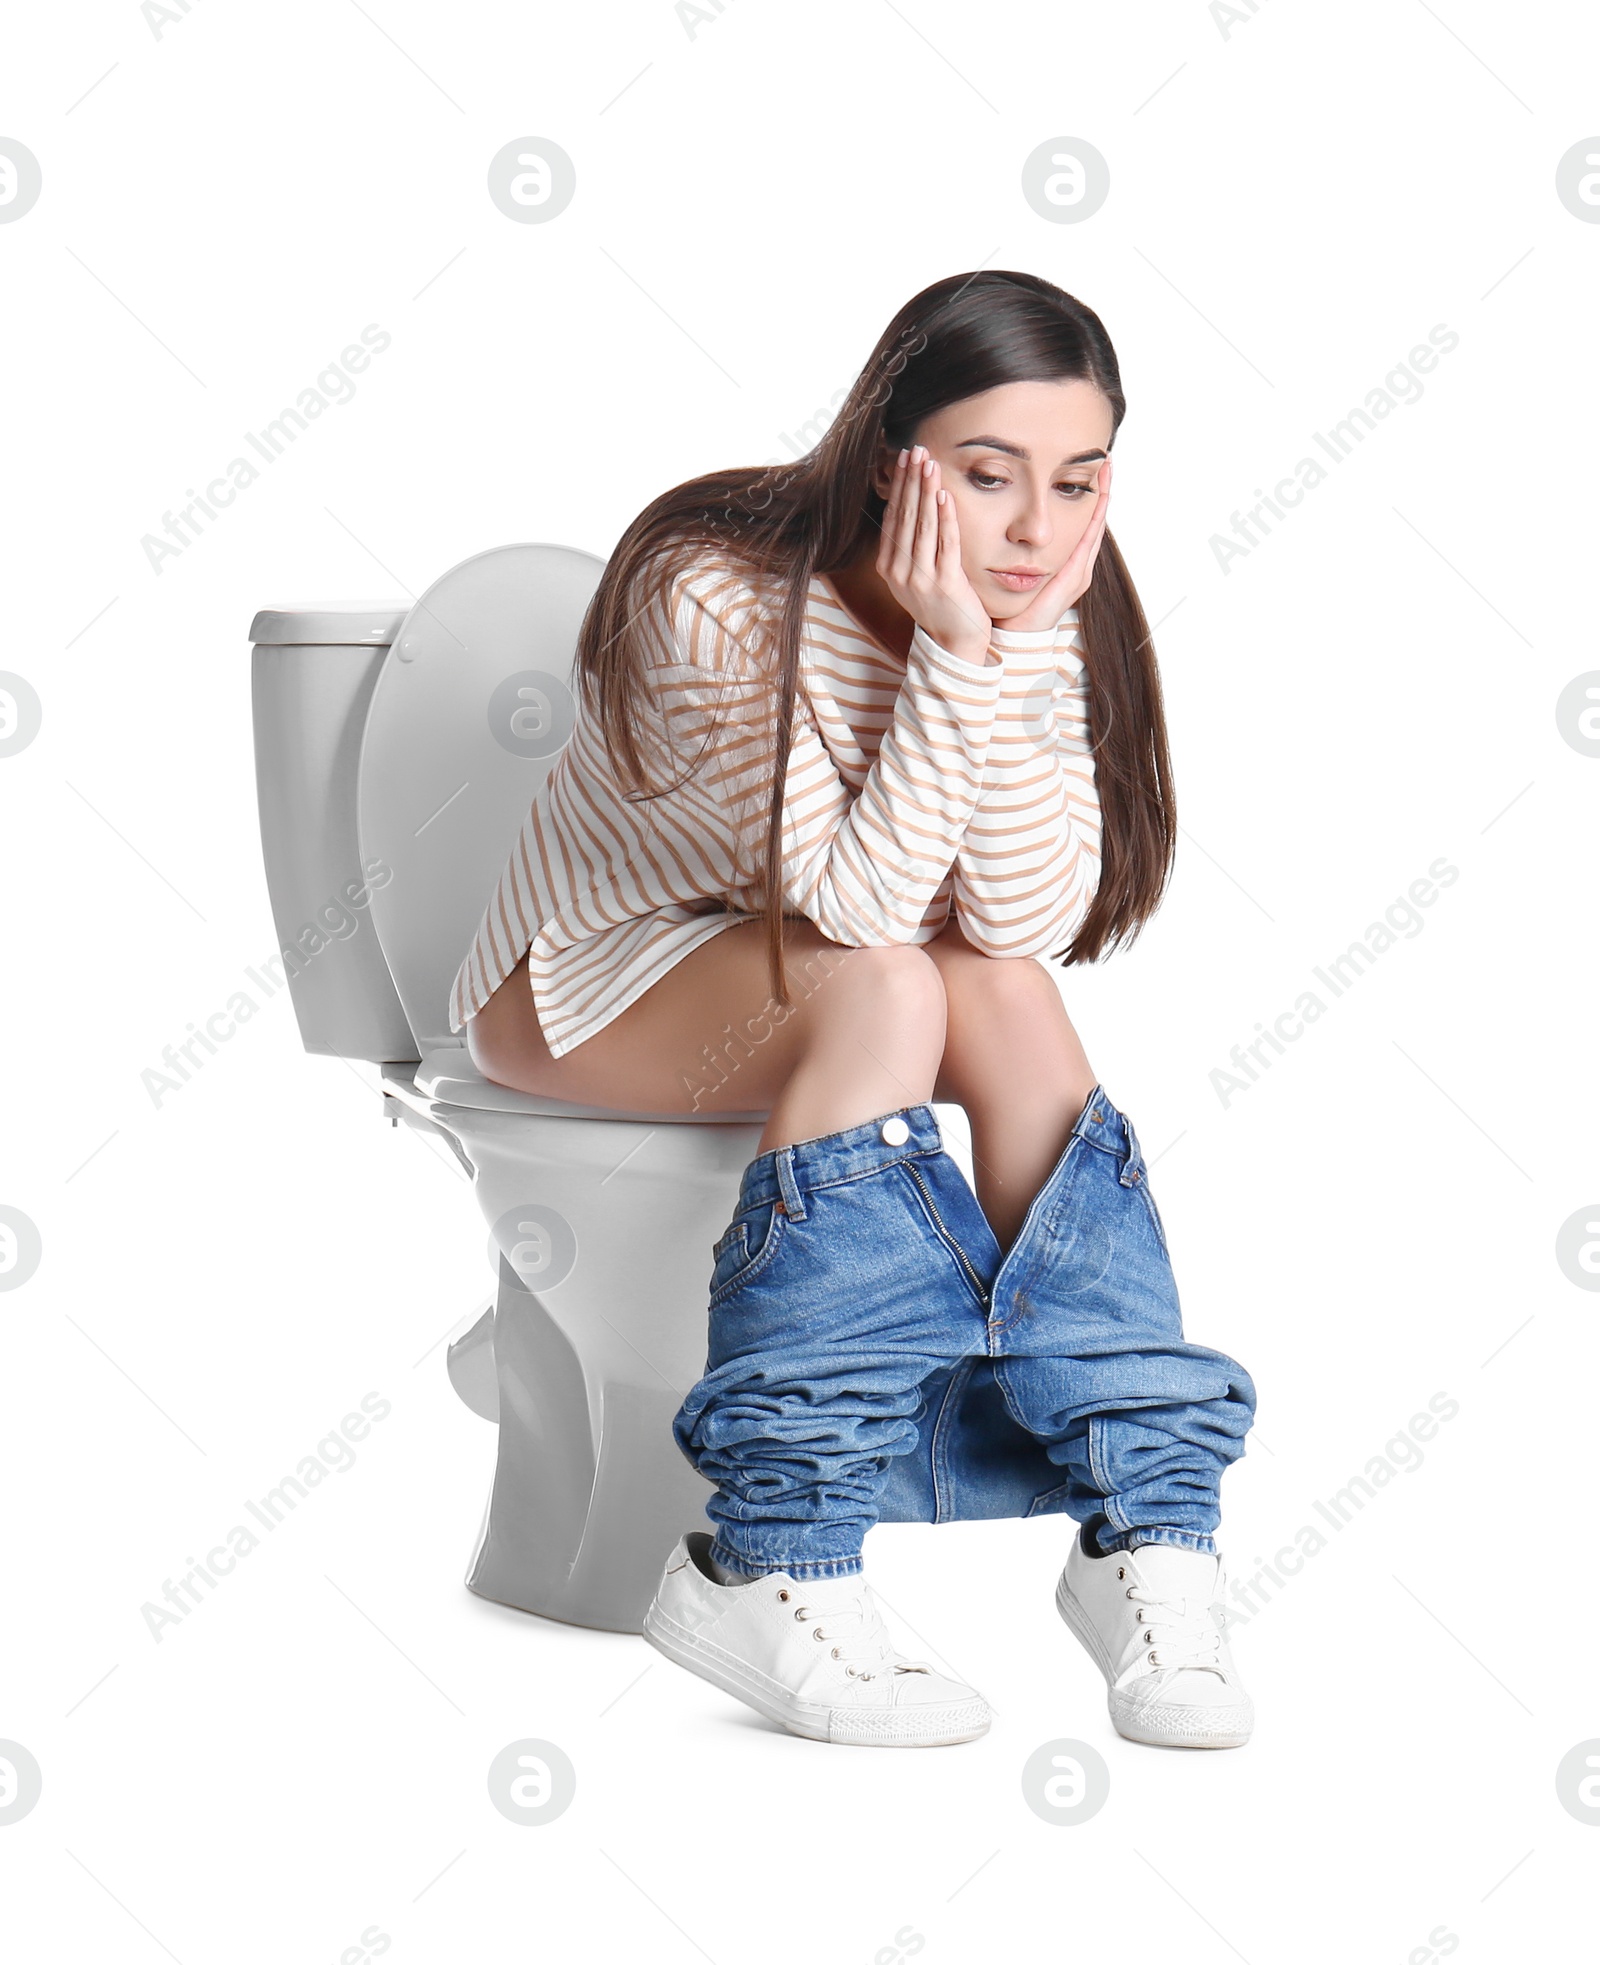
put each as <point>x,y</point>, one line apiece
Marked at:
<point>1022,464</point>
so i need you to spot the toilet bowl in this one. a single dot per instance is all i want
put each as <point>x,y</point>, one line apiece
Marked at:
<point>398,747</point>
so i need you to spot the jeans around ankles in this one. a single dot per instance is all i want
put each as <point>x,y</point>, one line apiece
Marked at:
<point>872,1357</point>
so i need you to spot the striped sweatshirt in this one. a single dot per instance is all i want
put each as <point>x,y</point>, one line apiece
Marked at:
<point>915,784</point>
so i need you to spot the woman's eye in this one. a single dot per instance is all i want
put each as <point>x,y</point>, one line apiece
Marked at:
<point>986,481</point>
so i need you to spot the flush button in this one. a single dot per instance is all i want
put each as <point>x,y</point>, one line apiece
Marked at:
<point>896,1132</point>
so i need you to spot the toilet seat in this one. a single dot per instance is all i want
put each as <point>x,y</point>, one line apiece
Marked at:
<point>450,1077</point>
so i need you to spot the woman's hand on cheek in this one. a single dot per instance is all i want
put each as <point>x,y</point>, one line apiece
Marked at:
<point>1066,588</point>
<point>919,560</point>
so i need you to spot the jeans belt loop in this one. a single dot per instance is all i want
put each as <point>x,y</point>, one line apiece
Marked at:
<point>794,1205</point>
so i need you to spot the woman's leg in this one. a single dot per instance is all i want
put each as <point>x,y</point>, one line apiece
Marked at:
<point>869,1030</point>
<point>1015,1065</point>
<point>828,1314</point>
<point>863,1035</point>
<point>1088,1324</point>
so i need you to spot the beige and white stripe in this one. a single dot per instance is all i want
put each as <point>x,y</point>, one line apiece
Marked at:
<point>915,784</point>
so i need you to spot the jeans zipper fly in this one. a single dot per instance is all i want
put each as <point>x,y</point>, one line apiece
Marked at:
<point>977,1280</point>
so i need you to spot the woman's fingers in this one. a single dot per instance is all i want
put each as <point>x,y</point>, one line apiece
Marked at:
<point>910,511</point>
<point>1103,503</point>
<point>909,519</point>
<point>919,558</point>
<point>951,574</point>
<point>1097,525</point>
<point>926,534</point>
<point>891,516</point>
<point>1089,545</point>
<point>949,533</point>
<point>909,544</point>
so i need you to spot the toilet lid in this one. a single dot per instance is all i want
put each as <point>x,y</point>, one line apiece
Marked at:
<point>329,624</point>
<point>470,711</point>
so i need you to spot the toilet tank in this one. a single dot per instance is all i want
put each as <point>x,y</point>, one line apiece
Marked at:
<point>313,672</point>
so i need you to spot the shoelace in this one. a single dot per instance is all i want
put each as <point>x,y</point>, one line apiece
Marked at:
<point>863,1636</point>
<point>1176,1639</point>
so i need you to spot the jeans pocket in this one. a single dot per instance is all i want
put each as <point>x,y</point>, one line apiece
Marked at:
<point>747,1245</point>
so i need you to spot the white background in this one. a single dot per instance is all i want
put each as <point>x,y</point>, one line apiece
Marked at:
<point>1296,200</point>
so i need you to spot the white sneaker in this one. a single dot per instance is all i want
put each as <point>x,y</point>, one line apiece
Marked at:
<point>814,1656</point>
<point>1145,1616</point>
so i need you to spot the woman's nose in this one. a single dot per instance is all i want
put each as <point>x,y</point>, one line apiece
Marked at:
<point>1031,525</point>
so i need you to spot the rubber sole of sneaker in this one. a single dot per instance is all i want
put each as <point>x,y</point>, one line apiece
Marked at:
<point>1184,1726</point>
<point>893,1726</point>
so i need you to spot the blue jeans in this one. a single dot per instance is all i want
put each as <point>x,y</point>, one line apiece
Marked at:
<point>872,1357</point>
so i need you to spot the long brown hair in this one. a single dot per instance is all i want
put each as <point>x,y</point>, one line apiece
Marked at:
<point>783,523</point>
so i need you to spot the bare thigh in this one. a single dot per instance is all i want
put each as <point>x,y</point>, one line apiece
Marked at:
<point>863,1034</point>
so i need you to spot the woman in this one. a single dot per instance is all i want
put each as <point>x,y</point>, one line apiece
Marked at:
<point>974,778</point>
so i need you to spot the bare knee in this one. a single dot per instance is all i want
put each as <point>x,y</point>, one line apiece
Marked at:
<point>882,996</point>
<point>1017,985</point>
<point>994,992</point>
<point>902,981</point>
<point>1009,1036</point>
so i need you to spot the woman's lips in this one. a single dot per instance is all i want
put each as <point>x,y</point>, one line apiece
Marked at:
<point>1018,582</point>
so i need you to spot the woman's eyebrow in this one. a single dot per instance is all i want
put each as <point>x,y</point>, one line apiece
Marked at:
<point>1016,450</point>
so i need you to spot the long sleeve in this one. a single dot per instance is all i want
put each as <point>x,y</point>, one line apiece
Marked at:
<point>863,866</point>
<point>1029,863</point>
